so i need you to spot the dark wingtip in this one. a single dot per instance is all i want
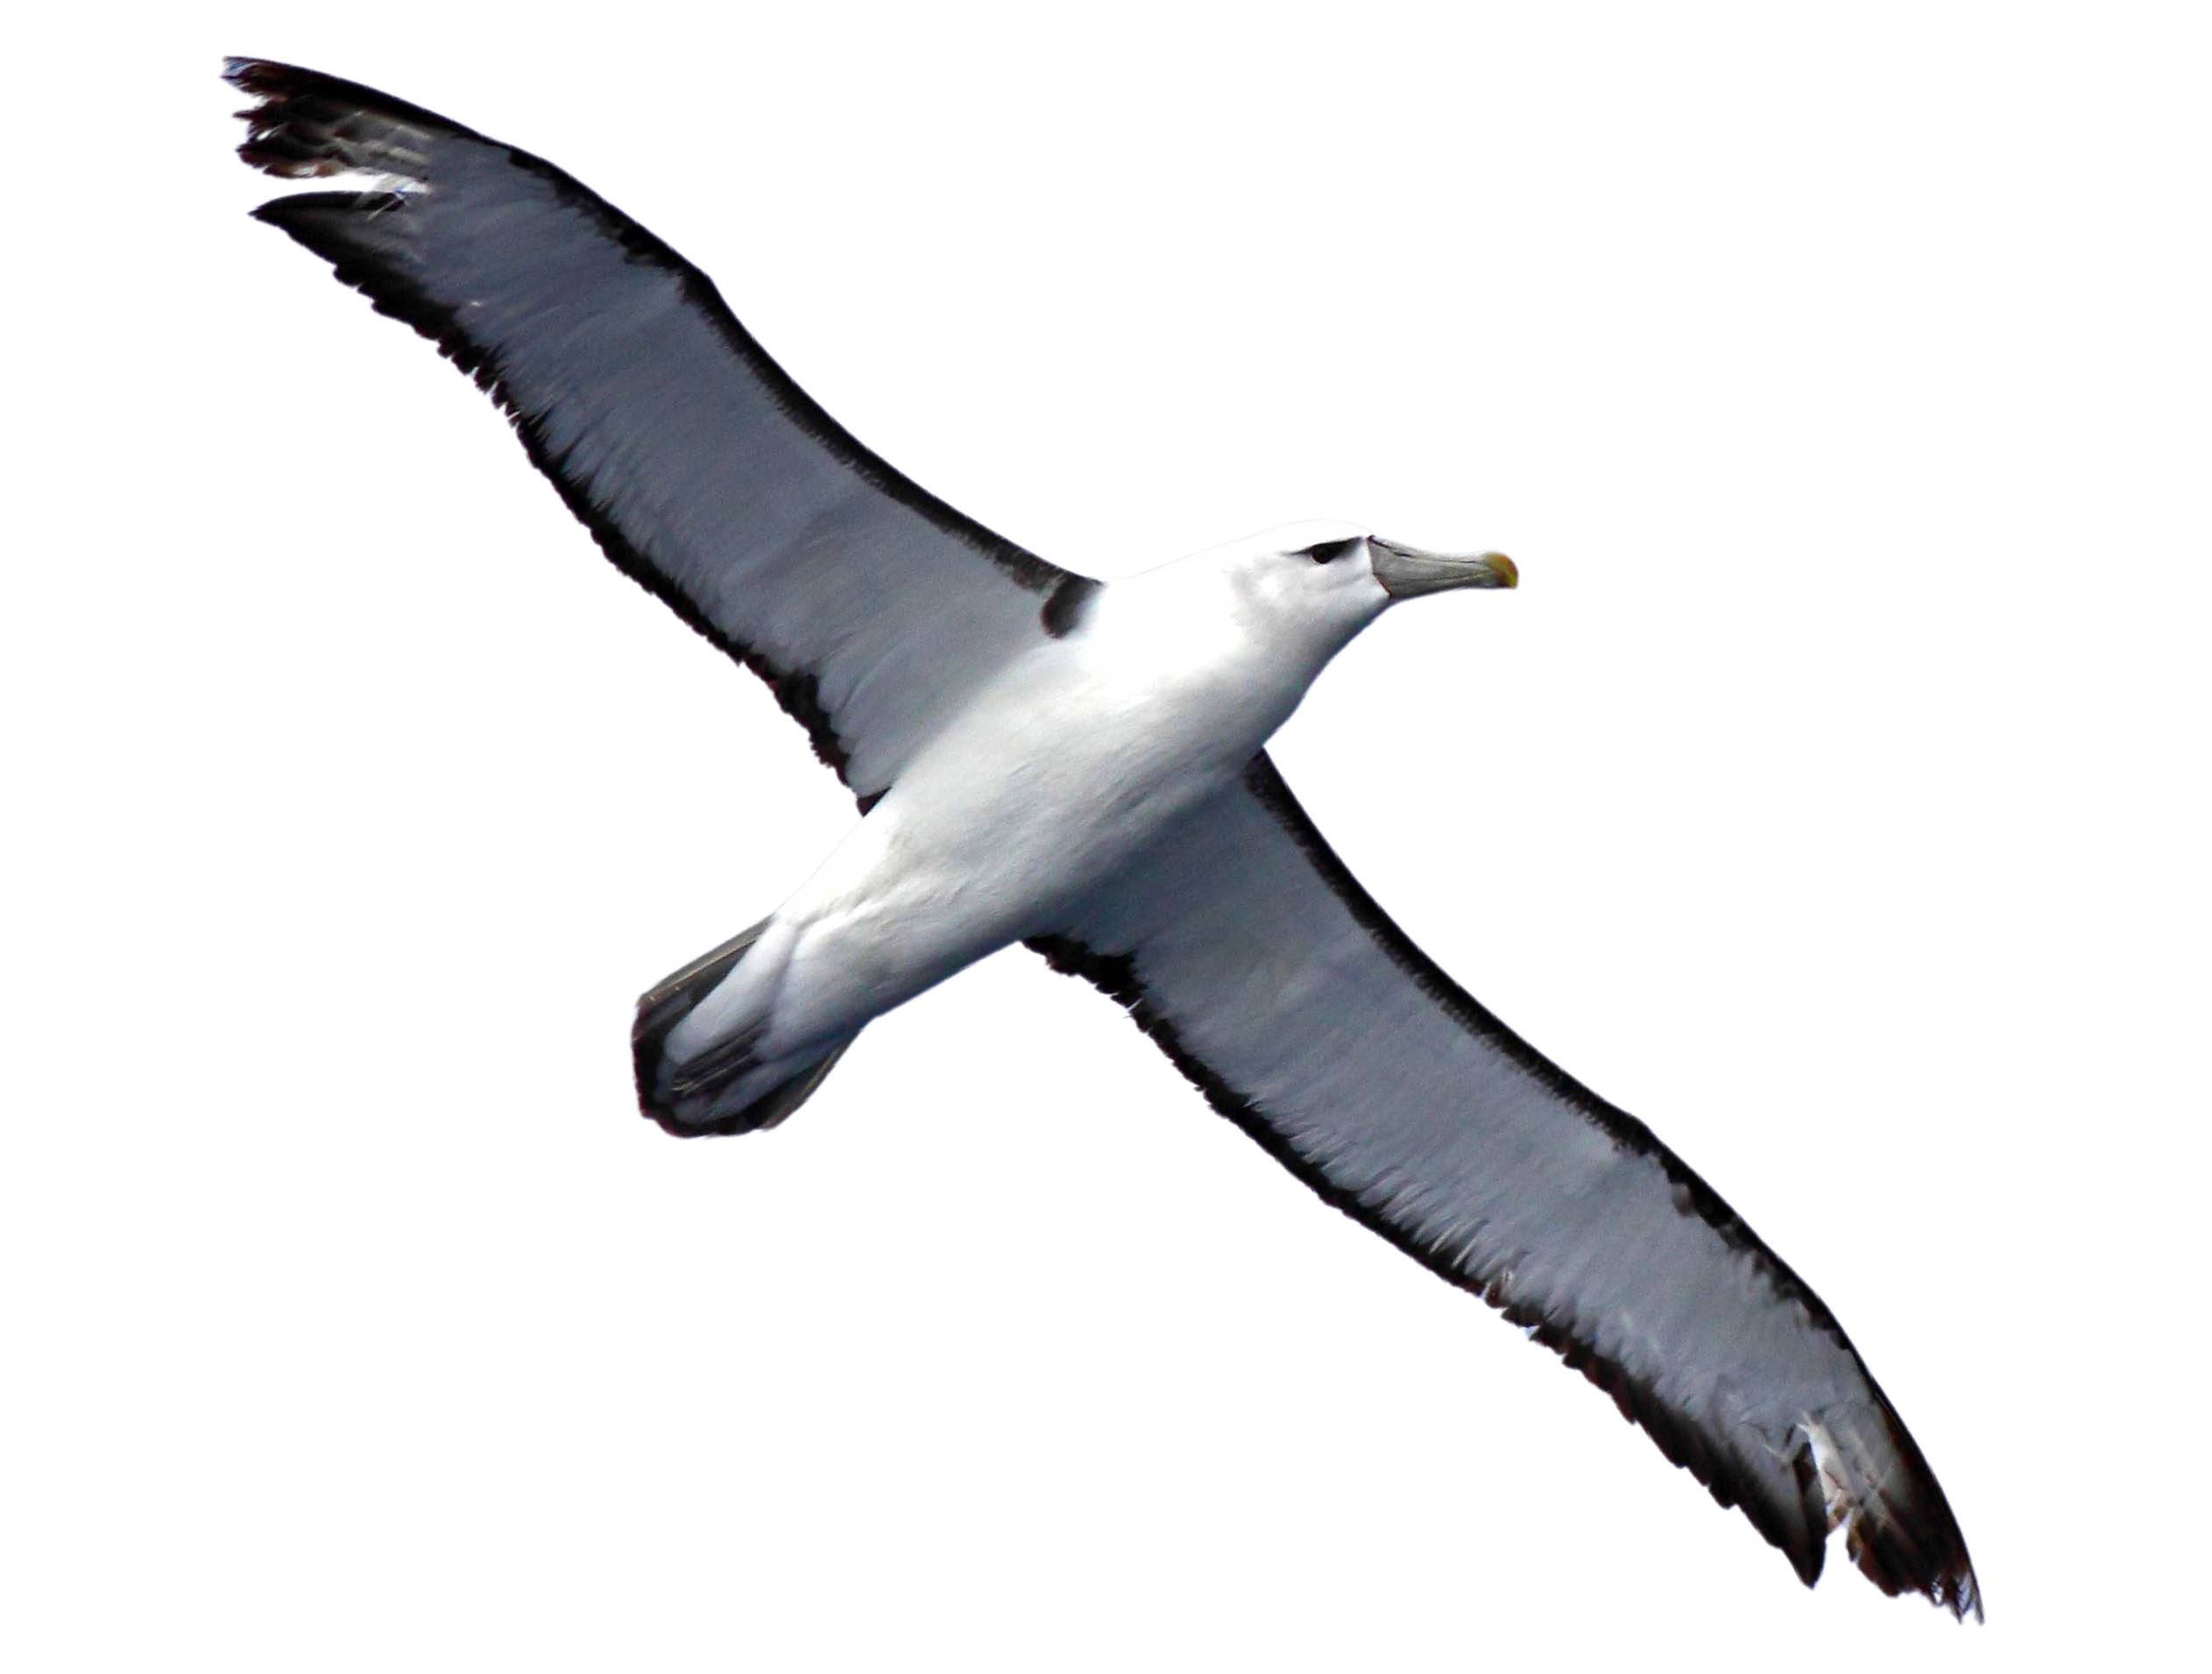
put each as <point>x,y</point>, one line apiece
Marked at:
<point>1899,1528</point>
<point>244,72</point>
<point>1949,1582</point>
<point>1930,1560</point>
<point>301,127</point>
<point>266,77</point>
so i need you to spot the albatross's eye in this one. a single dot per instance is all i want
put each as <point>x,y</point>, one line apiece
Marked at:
<point>1329,550</point>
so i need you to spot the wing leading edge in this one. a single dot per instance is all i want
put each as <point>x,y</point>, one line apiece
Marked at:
<point>1253,959</point>
<point>870,607</point>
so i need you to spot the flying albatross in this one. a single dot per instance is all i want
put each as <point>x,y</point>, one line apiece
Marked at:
<point>1043,757</point>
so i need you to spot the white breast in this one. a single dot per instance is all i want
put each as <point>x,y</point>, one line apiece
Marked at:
<point>1078,756</point>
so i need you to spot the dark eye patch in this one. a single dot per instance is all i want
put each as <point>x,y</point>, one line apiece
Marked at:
<point>1329,551</point>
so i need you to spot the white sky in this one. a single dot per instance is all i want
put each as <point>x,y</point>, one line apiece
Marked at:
<point>1830,796</point>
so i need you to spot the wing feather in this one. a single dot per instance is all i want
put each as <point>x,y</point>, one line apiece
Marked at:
<point>1253,959</point>
<point>871,607</point>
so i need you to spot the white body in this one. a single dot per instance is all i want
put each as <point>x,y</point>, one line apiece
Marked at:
<point>1061,770</point>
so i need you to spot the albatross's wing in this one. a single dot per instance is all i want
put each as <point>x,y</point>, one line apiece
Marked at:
<point>1258,964</point>
<point>870,607</point>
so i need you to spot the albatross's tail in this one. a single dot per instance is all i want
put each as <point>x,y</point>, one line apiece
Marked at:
<point>699,1081</point>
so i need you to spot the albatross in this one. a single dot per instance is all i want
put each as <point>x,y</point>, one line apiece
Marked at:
<point>1040,757</point>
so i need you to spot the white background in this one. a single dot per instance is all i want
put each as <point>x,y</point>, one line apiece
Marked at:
<point>1829,795</point>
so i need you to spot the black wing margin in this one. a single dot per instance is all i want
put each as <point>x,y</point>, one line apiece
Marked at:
<point>870,607</point>
<point>1253,959</point>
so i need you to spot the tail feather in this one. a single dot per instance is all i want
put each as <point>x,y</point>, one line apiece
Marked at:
<point>692,1096</point>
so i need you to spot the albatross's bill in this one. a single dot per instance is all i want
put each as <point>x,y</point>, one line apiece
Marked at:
<point>1407,572</point>
<point>1080,766</point>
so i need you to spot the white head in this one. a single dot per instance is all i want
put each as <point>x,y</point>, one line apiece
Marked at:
<point>1312,586</point>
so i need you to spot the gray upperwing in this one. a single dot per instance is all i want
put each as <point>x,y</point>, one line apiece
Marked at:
<point>872,607</point>
<point>1252,957</point>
